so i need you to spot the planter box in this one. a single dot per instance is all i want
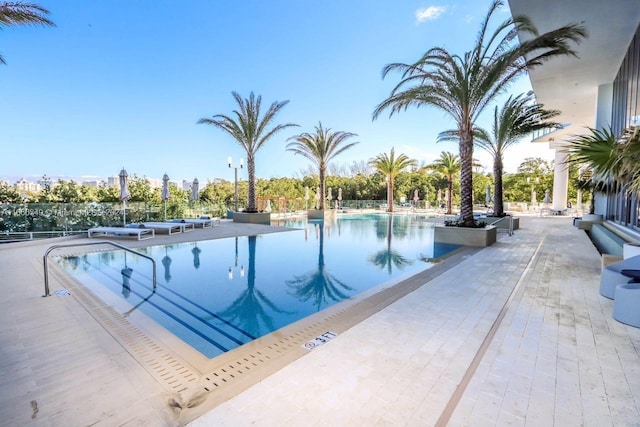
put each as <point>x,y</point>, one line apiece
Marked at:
<point>482,237</point>
<point>321,214</point>
<point>502,225</point>
<point>252,218</point>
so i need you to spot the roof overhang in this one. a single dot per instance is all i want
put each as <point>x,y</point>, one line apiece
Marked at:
<point>571,84</point>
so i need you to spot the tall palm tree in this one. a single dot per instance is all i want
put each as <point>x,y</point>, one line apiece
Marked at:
<point>19,13</point>
<point>517,118</point>
<point>463,86</point>
<point>448,165</point>
<point>321,147</point>
<point>250,131</point>
<point>390,166</point>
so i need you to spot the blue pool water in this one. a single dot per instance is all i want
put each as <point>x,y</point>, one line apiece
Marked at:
<point>219,294</point>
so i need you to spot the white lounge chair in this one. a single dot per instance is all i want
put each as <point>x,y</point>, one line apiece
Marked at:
<point>140,233</point>
<point>612,275</point>
<point>200,222</point>
<point>170,227</point>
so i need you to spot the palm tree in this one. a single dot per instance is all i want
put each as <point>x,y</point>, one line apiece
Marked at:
<point>19,13</point>
<point>390,166</point>
<point>448,165</point>
<point>249,130</point>
<point>517,118</point>
<point>463,86</point>
<point>601,153</point>
<point>321,147</point>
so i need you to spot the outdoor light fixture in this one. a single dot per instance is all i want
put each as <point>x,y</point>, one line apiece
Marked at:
<point>236,177</point>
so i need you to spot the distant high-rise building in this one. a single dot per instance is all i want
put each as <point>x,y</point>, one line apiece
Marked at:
<point>24,185</point>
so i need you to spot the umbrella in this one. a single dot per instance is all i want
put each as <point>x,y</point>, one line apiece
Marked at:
<point>547,196</point>
<point>124,194</point>
<point>329,195</point>
<point>415,195</point>
<point>317,197</point>
<point>306,197</point>
<point>268,208</point>
<point>195,188</point>
<point>165,193</point>
<point>487,198</point>
<point>339,197</point>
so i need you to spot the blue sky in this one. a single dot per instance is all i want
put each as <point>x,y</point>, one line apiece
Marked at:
<point>122,83</point>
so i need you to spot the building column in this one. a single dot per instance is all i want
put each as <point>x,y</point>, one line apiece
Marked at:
<point>560,179</point>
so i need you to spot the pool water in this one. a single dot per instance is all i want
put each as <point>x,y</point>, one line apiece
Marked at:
<point>219,294</point>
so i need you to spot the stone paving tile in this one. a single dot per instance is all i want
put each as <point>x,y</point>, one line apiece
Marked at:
<point>558,357</point>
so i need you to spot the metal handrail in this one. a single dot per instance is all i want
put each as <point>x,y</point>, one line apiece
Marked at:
<point>510,218</point>
<point>102,242</point>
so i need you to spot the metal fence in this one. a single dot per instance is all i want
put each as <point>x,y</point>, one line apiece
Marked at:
<point>72,217</point>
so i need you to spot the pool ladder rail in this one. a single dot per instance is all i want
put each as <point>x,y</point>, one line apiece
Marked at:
<point>102,242</point>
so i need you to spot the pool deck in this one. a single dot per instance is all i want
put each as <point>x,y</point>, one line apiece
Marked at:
<point>514,334</point>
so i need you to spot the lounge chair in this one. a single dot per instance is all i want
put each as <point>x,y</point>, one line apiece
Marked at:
<point>612,275</point>
<point>140,233</point>
<point>170,227</point>
<point>200,222</point>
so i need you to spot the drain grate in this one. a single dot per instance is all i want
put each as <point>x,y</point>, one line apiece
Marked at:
<point>170,372</point>
<point>248,363</point>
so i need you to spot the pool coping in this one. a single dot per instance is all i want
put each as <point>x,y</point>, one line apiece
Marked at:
<point>198,384</point>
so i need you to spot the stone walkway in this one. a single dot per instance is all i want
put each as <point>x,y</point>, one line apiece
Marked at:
<point>515,334</point>
<point>557,358</point>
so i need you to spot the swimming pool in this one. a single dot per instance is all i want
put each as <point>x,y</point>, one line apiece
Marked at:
<point>216,295</point>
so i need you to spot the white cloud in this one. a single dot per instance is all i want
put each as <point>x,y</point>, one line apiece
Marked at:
<point>429,13</point>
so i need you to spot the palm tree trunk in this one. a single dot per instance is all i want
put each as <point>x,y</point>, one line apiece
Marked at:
<point>251,171</point>
<point>390,196</point>
<point>450,195</point>
<point>498,204</point>
<point>466,175</point>
<point>323,173</point>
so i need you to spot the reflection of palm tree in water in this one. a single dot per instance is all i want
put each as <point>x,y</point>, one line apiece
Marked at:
<point>249,310</point>
<point>318,284</point>
<point>387,257</point>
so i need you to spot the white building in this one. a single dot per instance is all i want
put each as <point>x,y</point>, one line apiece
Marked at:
<point>599,89</point>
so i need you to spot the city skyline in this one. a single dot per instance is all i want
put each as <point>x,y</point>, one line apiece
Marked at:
<point>113,86</point>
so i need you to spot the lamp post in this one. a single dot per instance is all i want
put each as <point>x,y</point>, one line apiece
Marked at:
<point>236,178</point>
<point>533,181</point>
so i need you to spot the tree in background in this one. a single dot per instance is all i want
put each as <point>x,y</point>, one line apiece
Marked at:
<point>249,130</point>
<point>448,165</point>
<point>390,166</point>
<point>20,13</point>
<point>463,86</point>
<point>9,194</point>
<point>321,147</point>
